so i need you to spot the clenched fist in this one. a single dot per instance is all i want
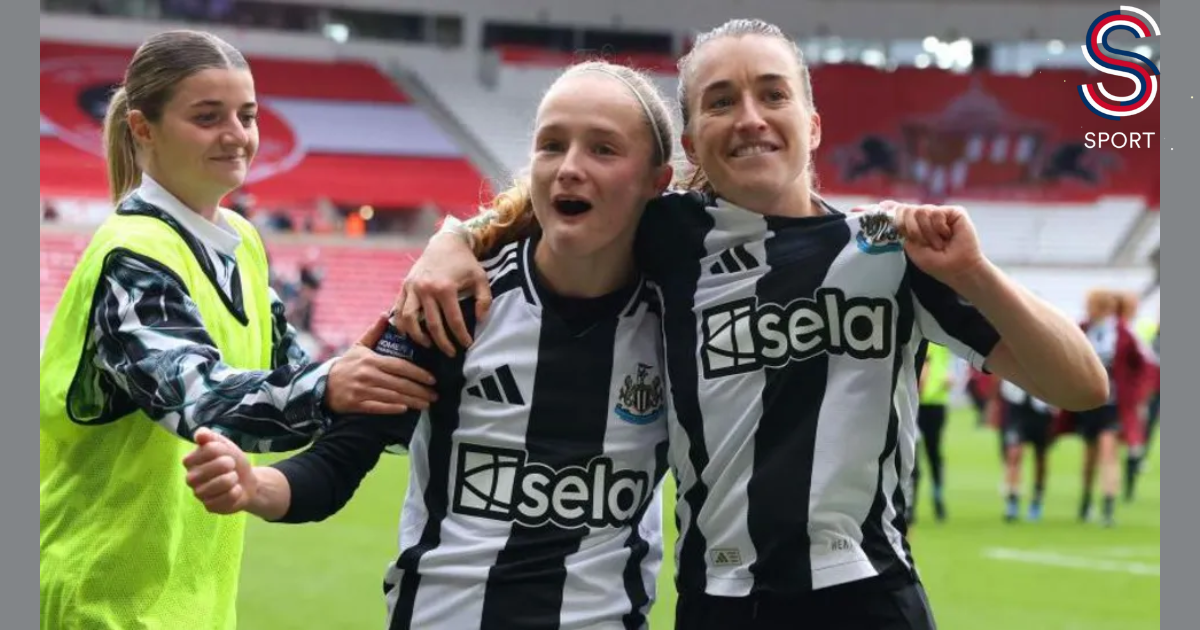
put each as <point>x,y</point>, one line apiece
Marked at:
<point>219,474</point>
<point>940,240</point>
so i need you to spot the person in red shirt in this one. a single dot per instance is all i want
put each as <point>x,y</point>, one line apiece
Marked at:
<point>1135,377</point>
<point>982,388</point>
<point>1102,426</point>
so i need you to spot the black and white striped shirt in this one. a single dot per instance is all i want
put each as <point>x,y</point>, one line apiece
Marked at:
<point>791,348</point>
<point>148,348</point>
<point>1014,395</point>
<point>532,497</point>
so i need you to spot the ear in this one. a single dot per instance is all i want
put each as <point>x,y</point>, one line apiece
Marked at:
<point>814,132</point>
<point>689,149</point>
<point>140,127</point>
<point>663,179</point>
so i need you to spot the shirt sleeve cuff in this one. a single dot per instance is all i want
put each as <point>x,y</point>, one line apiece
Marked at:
<point>983,349</point>
<point>304,506</point>
<point>319,410</point>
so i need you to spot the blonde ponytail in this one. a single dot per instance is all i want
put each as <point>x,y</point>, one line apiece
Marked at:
<point>510,218</point>
<point>124,175</point>
<point>697,180</point>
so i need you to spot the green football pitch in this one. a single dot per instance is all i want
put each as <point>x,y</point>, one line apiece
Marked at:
<point>980,572</point>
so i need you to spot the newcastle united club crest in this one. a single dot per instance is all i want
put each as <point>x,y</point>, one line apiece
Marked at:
<point>640,401</point>
<point>877,233</point>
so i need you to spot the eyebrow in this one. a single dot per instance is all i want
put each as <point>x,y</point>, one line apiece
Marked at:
<point>216,103</point>
<point>599,131</point>
<point>726,84</point>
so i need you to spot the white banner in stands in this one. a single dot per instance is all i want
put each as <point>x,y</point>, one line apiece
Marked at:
<point>363,128</point>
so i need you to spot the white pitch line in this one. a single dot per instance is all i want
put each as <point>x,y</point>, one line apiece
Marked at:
<point>1071,562</point>
<point>1147,553</point>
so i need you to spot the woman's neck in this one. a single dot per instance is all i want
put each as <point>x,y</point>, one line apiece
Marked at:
<point>795,202</point>
<point>202,205</point>
<point>598,274</point>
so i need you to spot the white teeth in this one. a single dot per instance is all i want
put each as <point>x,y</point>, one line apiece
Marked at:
<point>753,149</point>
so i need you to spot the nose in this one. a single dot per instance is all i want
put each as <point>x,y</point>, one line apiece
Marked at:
<point>749,119</point>
<point>571,168</point>
<point>235,133</point>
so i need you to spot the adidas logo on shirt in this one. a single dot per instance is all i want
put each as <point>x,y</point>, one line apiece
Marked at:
<point>498,387</point>
<point>726,557</point>
<point>734,260</point>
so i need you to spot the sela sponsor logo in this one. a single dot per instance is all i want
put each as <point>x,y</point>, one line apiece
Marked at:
<point>499,484</point>
<point>76,92</point>
<point>744,336</point>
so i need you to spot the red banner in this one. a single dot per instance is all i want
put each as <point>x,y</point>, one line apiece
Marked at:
<point>929,134</point>
<point>338,130</point>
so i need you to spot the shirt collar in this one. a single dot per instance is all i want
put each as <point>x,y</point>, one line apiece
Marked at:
<point>219,235</point>
<point>819,202</point>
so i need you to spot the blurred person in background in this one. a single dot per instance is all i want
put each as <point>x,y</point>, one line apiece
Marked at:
<point>1100,427</point>
<point>1155,386</point>
<point>935,386</point>
<point>1025,420</point>
<point>166,326</point>
<point>981,388</point>
<point>1135,378</point>
<point>305,303</point>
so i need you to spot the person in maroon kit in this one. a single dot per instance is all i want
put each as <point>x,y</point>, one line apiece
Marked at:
<point>1121,353</point>
<point>1134,379</point>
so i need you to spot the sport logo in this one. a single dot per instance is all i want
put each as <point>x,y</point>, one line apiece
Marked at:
<point>498,484</point>
<point>640,401</point>
<point>744,336</point>
<point>877,233</point>
<point>1099,53</point>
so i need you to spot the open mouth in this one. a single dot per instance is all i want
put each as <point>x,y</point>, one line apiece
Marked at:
<point>749,150</point>
<point>572,207</point>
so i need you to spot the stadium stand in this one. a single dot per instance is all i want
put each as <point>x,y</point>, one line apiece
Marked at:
<point>350,134</point>
<point>345,132</point>
<point>359,280</point>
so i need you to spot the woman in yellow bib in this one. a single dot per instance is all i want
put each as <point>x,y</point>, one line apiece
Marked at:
<point>168,325</point>
<point>935,384</point>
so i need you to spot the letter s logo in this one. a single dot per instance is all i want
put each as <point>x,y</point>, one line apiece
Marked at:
<point>1098,52</point>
